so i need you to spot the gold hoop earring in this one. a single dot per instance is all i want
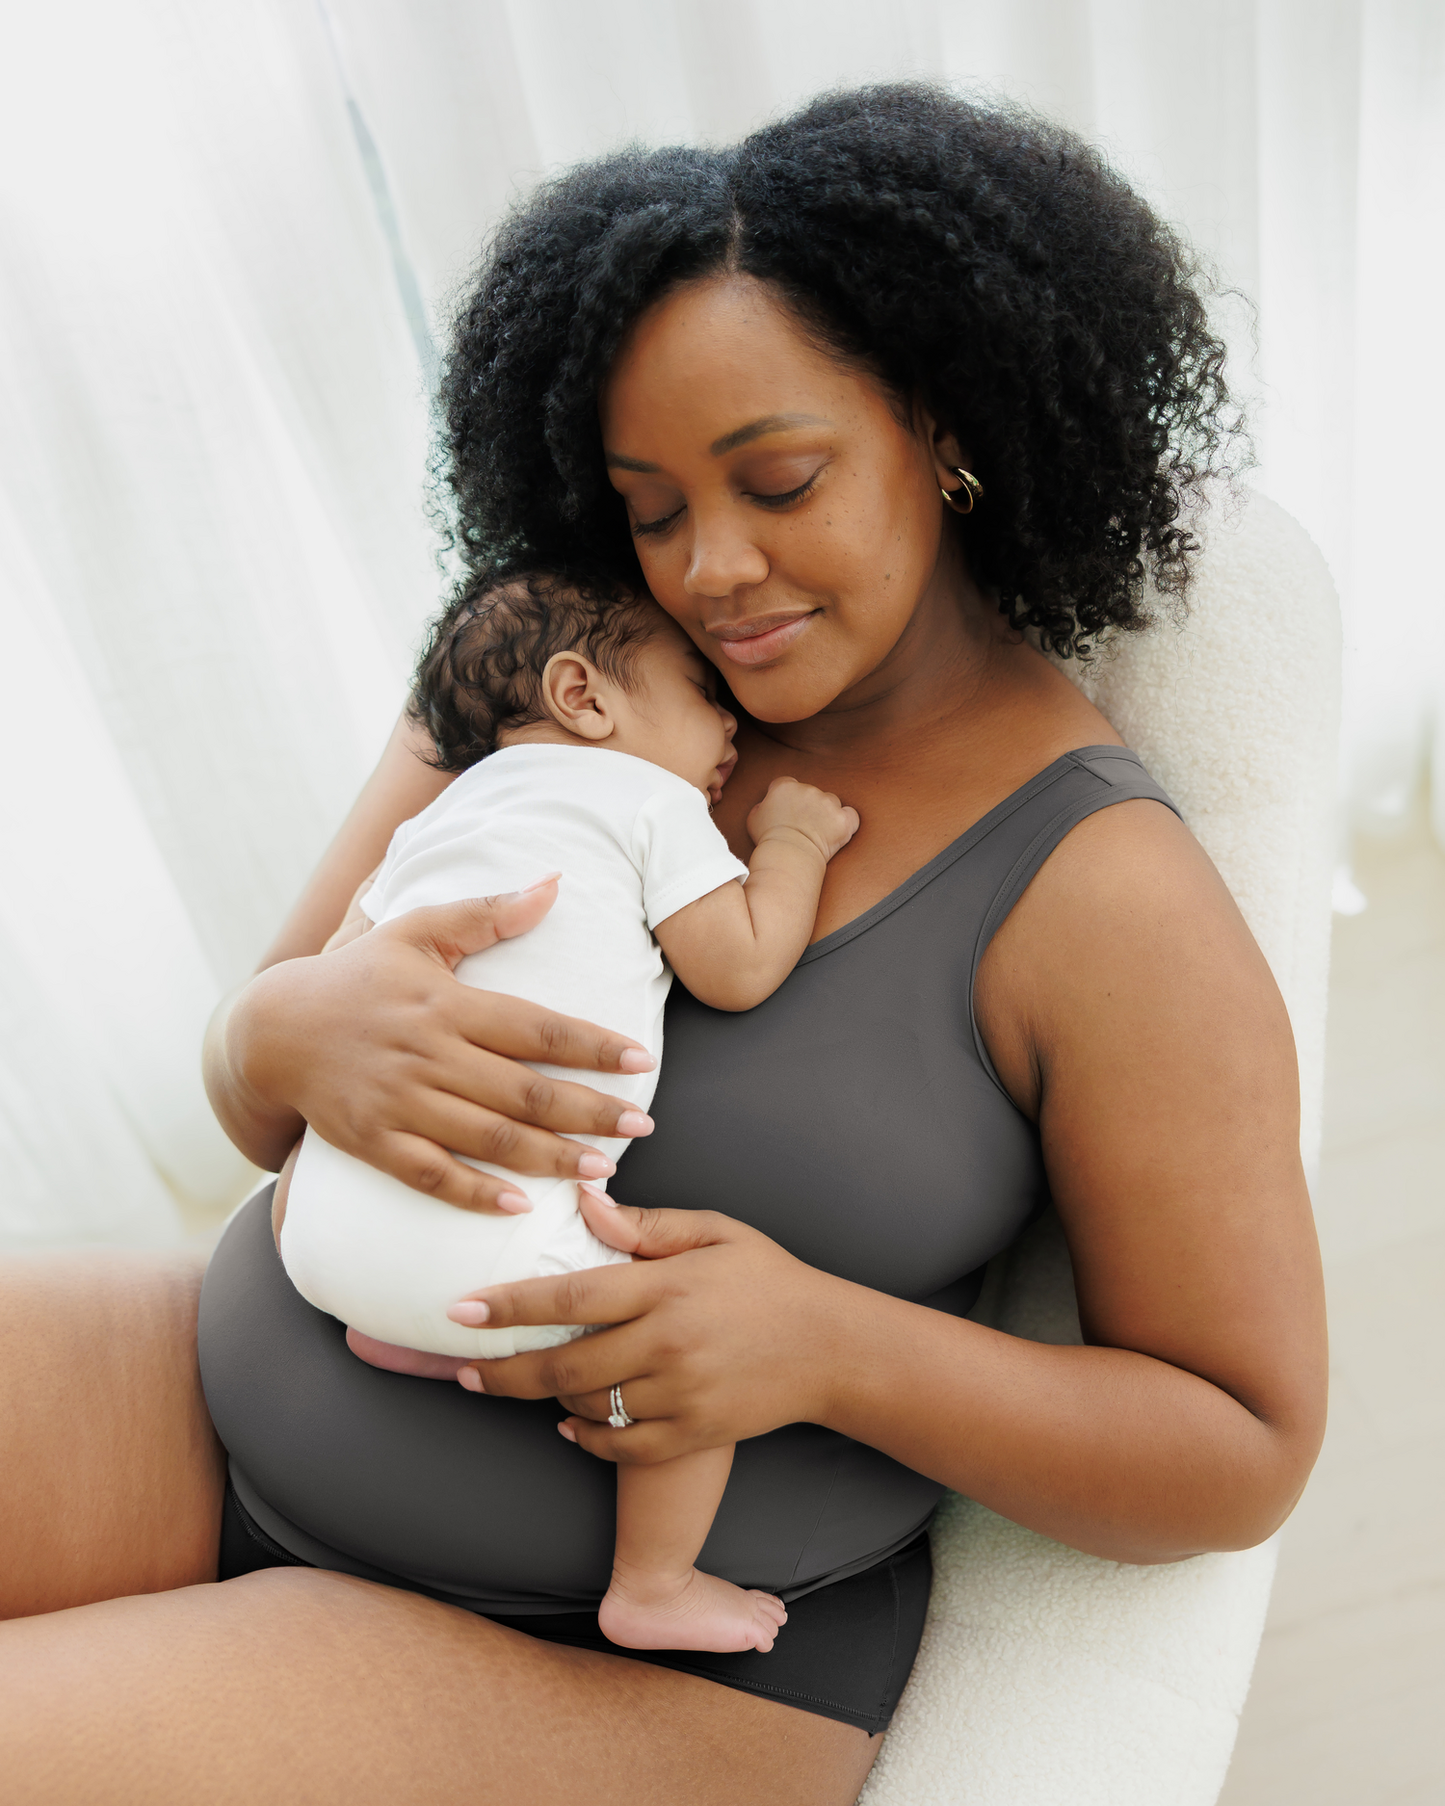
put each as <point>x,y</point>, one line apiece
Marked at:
<point>969,486</point>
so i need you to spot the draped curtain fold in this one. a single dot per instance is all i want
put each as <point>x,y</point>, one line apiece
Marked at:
<point>228,237</point>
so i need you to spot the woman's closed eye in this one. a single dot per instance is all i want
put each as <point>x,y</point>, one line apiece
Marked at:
<point>776,499</point>
<point>788,497</point>
<point>660,525</point>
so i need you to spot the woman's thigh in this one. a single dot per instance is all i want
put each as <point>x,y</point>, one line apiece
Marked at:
<point>113,1475</point>
<point>294,1685</point>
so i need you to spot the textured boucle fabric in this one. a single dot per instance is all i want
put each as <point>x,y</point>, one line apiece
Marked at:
<point>1047,1676</point>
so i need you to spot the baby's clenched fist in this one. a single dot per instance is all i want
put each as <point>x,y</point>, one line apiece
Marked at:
<point>793,807</point>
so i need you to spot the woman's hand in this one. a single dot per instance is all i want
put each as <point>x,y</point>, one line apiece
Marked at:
<point>378,1046</point>
<point>719,1335</point>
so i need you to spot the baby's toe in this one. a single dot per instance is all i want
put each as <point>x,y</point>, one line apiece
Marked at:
<point>766,1625</point>
<point>771,1607</point>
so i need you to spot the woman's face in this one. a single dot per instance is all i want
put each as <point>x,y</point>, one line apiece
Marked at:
<point>783,515</point>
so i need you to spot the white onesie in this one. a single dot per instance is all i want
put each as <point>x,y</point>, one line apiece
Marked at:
<point>634,844</point>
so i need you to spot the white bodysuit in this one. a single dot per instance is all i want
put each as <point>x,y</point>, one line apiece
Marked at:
<point>634,844</point>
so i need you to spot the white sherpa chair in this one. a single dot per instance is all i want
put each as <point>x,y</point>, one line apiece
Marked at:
<point>1047,1676</point>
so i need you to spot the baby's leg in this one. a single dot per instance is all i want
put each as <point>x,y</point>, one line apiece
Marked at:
<point>396,1359</point>
<point>658,1599</point>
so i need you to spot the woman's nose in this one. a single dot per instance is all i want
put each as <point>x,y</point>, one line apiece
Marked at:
<point>723,559</point>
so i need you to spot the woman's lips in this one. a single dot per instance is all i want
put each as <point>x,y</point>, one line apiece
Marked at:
<point>759,642</point>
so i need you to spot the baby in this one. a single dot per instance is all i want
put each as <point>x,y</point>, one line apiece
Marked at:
<point>589,740</point>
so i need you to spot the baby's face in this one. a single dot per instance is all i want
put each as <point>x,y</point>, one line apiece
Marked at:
<point>670,713</point>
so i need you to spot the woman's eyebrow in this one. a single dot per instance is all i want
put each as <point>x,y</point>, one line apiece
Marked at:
<point>770,423</point>
<point>743,435</point>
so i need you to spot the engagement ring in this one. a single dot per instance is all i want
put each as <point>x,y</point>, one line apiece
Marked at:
<point>619,1418</point>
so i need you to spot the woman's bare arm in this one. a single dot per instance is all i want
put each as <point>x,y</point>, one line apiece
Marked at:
<point>1131,1012</point>
<point>1126,1005</point>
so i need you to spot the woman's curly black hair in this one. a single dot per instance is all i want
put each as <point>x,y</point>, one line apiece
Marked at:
<point>979,258</point>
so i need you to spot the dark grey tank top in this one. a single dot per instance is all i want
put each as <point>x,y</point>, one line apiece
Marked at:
<point>854,1117</point>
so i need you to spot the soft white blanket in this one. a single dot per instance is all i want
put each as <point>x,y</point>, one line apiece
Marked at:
<point>1049,1677</point>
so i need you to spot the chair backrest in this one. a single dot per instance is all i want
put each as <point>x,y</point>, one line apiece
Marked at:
<point>1047,1675</point>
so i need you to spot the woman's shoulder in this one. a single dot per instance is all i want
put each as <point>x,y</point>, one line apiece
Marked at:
<point>1126,932</point>
<point>1127,875</point>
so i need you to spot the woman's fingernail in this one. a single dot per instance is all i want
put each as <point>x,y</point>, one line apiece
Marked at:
<point>599,1196</point>
<point>471,1312</point>
<point>537,884</point>
<point>470,1378</point>
<point>566,1430</point>
<point>514,1201</point>
<point>634,1122</point>
<point>635,1059</point>
<point>595,1166</point>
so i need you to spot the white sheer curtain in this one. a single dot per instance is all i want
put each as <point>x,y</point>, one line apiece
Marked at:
<point>225,237</point>
<point>214,563</point>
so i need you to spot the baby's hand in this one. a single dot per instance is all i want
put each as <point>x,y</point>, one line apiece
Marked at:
<point>791,807</point>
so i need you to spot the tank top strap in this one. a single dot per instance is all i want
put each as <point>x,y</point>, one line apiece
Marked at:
<point>1036,819</point>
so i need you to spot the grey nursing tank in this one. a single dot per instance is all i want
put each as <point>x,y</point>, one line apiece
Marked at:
<point>854,1117</point>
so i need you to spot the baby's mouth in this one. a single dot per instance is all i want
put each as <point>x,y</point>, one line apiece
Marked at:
<point>724,772</point>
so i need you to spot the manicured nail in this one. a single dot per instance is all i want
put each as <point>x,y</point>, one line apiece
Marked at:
<point>566,1430</point>
<point>469,1311</point>
<point>598,1196</point>
<point>537,884</point>
<point>593,1165</point>
<point>470,1378</point>
<point>514,1201</point>
<point>635,1059</point>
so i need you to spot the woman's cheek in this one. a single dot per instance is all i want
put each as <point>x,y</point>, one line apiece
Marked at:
<point>664,572</point>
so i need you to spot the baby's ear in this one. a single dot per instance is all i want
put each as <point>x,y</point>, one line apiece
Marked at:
<point>578,697</point>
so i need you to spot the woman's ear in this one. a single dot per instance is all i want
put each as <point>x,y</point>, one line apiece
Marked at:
<point>948,457</point>
<point>578,697</point>
<point>948,454</point>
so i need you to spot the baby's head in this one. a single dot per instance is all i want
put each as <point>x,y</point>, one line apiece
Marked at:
<point>551,659</point>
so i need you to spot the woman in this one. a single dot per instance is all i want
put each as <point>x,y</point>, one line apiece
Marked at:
<point>863,399</point>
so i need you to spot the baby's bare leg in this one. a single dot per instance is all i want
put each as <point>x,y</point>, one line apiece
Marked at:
<point>658,1599</point>
<point>395,1359</point>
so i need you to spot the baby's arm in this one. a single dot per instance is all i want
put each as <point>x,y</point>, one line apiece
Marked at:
<point>735,946</point>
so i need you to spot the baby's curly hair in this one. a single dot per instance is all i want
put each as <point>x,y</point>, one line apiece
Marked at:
<point>480,672</point>
<point>978,258</point>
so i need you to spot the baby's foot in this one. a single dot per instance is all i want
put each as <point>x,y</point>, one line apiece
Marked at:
<point>698,1611</point>
<point>415,1361</point>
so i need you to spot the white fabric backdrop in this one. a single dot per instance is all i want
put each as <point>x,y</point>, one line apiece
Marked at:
<point>225,233</point>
